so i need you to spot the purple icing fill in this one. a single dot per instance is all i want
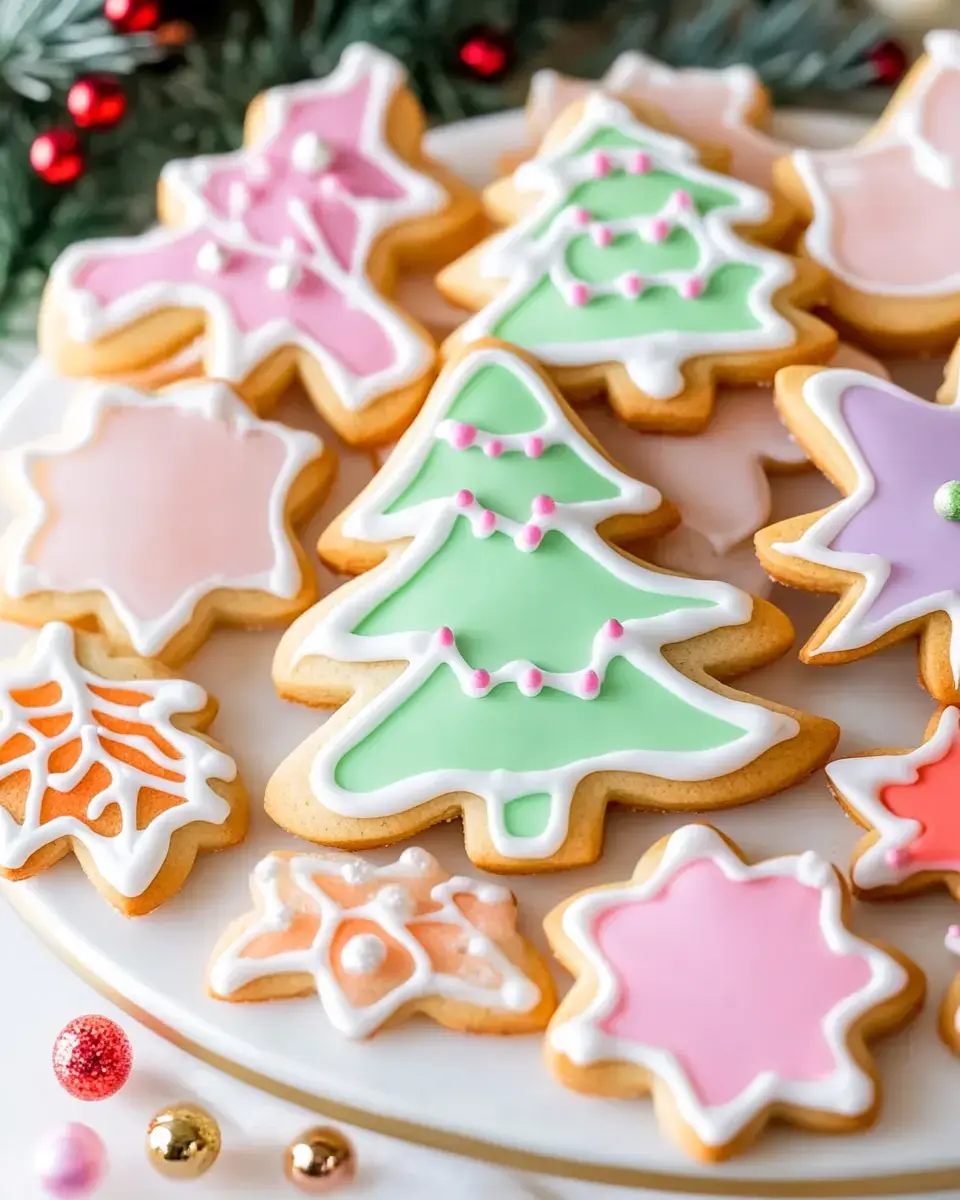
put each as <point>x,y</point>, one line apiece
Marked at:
<point>912,447</point>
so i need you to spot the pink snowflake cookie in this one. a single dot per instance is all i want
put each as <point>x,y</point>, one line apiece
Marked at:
<point>731,991</point>
<point>276,255</point>
<point>895,266</point>
<point>378,943</point>
<point>157,516</point>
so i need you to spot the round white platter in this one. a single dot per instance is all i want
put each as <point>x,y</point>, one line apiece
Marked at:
<point>492,1098</point>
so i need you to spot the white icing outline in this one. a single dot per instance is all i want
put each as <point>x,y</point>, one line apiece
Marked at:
<point>186,177</point>
<point>902,129</point>
<point>214,402</point>
<point>860,781</point>
<point>230,354</point>
<point>229,972</point>
<point>823,393</point>
<point>849,1091</point>
<point>131,861</point>
<point>653,361</point>
<point>429,524</point>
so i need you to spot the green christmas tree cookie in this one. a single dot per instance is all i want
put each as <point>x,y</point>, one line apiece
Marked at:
<point>624,269</point>
<point>501,658</point>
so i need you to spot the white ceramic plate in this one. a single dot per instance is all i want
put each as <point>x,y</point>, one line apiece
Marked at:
<point>489,1097</point>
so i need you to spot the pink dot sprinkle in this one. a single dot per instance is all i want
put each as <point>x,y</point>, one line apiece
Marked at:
<point>481,679</point>
<point>601,164</point>
<point>630,285</point>
<point>898,857</point>
<point>543,506</point>
<point>602,235</point>
<point>579,294</point>
<point>640,163</point>
<point>613,628</point>
<point>464,498</point>
<point>531,681</point>
<point>659,228</point>
<point>581,216</point>
<point>533,447</point>
<point>445,635</point>
<point>691,288</point>
<point>682,199</point>
<point>462,435</point>
<point>493,448</point>
<point>487,521</point>
<point>532,535</point>
<point>591,683</point>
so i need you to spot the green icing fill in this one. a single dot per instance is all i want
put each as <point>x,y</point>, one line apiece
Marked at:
<point>527,816</point>
<point>440,727</point>
<point>628,252</point>
<point>494,399</point>
<point>507,484</point>
<point>543,316</point>
<point>503,603</point>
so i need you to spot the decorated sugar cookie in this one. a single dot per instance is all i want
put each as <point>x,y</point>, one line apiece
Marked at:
<point>156,516</point>
<point>379,943</point>
<point>505,661</point>
<point>276,256</point>
<point>719,479</point>
<point>890,547</point>
<point>883,213</point>
<point>727,106</point>
<point>909,802</point>
<point>108,757</point>
<point>732,992</point>
<point>626,269</point>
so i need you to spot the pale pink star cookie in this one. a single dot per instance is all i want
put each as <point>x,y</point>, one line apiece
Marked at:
<point>280,255</point>
<point>157,516</point>
<point>727,106</point>
<point>108,757</point>
<point>883,214</point>
<point>733,992</point>
<point>377,944</point>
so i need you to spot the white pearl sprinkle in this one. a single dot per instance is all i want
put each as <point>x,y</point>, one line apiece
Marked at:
<point>363,954</point>
<point>396,899</point>
<point>283,277</point>
<point>310,154</point>
<point>238,198</point>
<point>212,257</point>
<point>479,946</point>
<point>356,871</point>
<point>417,860</point>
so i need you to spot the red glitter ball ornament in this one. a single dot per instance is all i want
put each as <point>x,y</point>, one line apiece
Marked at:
<point>132,16</point>
<point>889,61</point>
<point>485,53</point>
<point>97,102</point>
<point>56,156</point>
<point>92,1058</point>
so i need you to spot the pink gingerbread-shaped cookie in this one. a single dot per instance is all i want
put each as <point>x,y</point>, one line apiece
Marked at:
<point>278,256</point>
<point>883,214</point>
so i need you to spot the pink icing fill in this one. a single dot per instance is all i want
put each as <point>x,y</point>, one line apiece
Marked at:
<point>732,978</point>
<point>161,499</point>
<point>315,307</point>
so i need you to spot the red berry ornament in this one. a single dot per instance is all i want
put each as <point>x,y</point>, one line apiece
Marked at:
<point>485,54</point>
<point>92,1058</point>
<point>889,61</point>
<point>97,102</point>
<point>56,156</point>
<point>132,16</point>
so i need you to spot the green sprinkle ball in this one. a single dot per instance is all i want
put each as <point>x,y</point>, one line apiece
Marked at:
<point>946,500</point>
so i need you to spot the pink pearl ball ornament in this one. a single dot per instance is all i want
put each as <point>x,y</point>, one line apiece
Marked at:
<point>70,1162</point>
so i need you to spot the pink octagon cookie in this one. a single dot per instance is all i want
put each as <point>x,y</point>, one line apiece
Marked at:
<point>157,515</point>
<point>732,991</point>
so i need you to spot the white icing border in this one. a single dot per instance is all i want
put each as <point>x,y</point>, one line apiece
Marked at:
<point>429,524</point>
<point>653,361</point>
<point>903,129</point>
<point>823,395</point>
<point>849,1091</point>
<point>230,972</point>
<point>186,177</point>
<point>861,780</point>
<point>214,402</point>
<point>131,861</point>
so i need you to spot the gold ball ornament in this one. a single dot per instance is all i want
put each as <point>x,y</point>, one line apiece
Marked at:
<point>183,1141</point>
<point>320,1161</point>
